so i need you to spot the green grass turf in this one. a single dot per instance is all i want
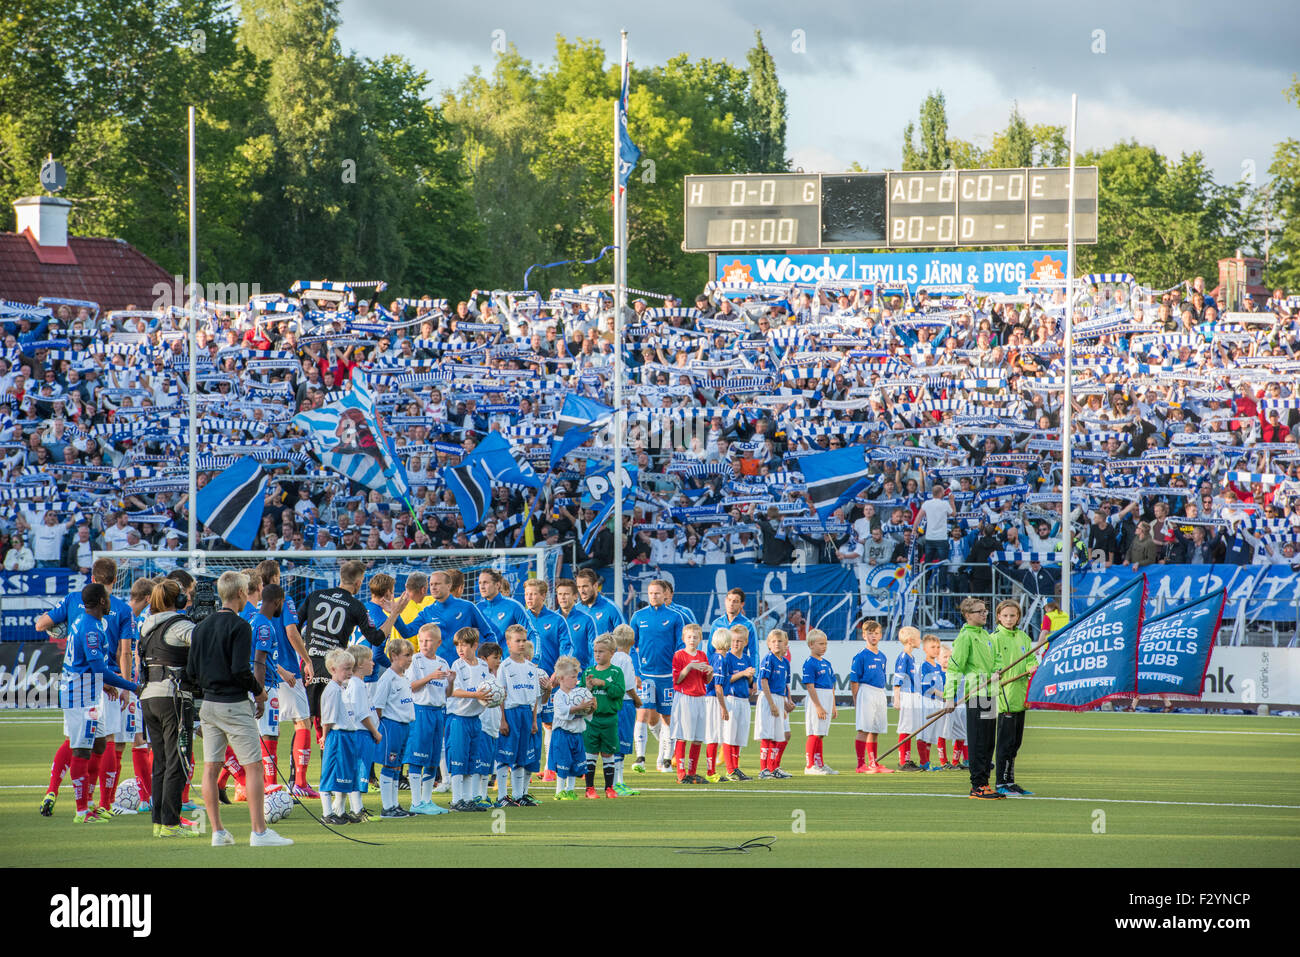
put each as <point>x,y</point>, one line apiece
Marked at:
<point>1218,799</point>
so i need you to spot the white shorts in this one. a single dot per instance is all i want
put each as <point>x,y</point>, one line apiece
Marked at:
<point>268,725</point>
<point>81,727</point>
<point>110,717</point>
<point>713,720</point>
<point>735,730</point>
<point>767,727</point>
<point>871,710</point>
<point>957,725</point>
<point>909,712</point>
<point>293,702</point>
<point>929,707</point>
<point>688,718</point>
<point>813,724</point>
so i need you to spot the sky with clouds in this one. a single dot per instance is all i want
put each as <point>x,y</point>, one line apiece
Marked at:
<point>1181,76</point>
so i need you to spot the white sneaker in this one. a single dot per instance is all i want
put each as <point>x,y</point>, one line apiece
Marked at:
<point>442,787</point>
<point>267,838</point>
<point>813,769</point>
<point>827,769</point>
<point>223,838</point>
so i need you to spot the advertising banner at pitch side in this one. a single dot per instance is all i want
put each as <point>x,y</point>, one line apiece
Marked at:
<point>1094,657</point>
<point>987,272</point>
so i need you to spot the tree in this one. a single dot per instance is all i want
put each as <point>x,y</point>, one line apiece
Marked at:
<point>1014,146</point>
<point>934,152</point>
<point>1283,200</point>
<point>766,113</point>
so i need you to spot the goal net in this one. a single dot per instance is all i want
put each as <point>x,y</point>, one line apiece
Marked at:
<point>303,572</point>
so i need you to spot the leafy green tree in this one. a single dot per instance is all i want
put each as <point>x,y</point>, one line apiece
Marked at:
<point>766,113</point>
<point>934,152</point>
<point>1283,200</point>
<point>1013,146</point>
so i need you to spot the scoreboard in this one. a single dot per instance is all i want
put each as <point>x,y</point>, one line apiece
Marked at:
<point>984,207</point>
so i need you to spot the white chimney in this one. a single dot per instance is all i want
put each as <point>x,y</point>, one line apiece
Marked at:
<point>46,217</point>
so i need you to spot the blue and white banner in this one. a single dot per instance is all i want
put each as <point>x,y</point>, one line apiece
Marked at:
<point>1257,592</point>
<point>1174,652</point>
<point>1095,656</point>
<point>987,272</point>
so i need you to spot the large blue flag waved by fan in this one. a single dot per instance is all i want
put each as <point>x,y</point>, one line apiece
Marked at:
<point>231,504</point>
<point>580,418</point>
<point>1095,656</point>
<point>835,477</point>
<point>492,463</point>
<point>349,437</point>
<point>1174,652</point>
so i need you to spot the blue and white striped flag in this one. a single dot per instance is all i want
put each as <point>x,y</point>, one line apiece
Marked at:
<point>231,504</point>
<point>349,438</point>
<point>578,421</point>
<point>835,477</point>
<point>628,152</point>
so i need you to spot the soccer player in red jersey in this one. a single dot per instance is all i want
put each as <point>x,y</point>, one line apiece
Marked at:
<point>691,674</point>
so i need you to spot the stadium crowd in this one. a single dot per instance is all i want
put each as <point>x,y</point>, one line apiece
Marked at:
<point>1184,440</point>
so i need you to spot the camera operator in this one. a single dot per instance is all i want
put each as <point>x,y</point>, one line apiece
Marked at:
<point>220,664</point>
<point>167,703</point>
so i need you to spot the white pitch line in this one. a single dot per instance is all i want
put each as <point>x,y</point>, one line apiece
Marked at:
<point>1289,807</point>
<point>1065,727</point>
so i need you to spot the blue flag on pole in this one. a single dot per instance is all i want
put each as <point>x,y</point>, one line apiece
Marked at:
<point>580,418</point>
<point>472,486</point>
<point>628,152</point>
<point>231,504</point>
<point>497,457</point>
<point>1174,652</point>
<point>1095,656</point>
<point>835,477</point>
<point>349,437</point>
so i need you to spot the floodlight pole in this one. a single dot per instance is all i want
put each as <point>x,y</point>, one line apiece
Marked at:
<point>1067,529</point>
<point>192,324</point>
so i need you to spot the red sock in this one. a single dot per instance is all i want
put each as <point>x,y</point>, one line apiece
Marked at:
<point>78,769</point>
<point>861,748</point>
<point>232,768</point>
<point>733,758</point>
<point>679,752</point>
<point>764,747</point>
<point>695,756</point>
<point>780,753</point>
<point>320,734</point>
<point>270,746</point>
<point>821,753</point>
<point>810,750</point>
<point>923,751</point>
<point>302,755</point>
<point>871,752</point>
<point>943,750</point>
<point>108,766</point>
<point>711,758</point>
<point>959,750</point>
<point>905,750</point>
<point>62,759</point>
<point>92,774</point>
<point>142,764</point>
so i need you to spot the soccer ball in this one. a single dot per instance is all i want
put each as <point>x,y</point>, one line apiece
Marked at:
<point>127,798</point>
<point>277,806</point>
<point>496,693</point>
<point>580,696</point>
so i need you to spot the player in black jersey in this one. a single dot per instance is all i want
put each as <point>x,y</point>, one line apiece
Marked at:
<point>327,620</point>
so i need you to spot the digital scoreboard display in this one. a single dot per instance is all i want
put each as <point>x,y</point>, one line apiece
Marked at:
<point>991,207</point>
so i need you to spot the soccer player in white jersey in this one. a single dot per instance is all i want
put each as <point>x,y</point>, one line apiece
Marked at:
<point>522,681</point>
<point>567,742</point>
<point>428,676</point>
<point>466,692</point>
<point>367,733</point>
<point>394,702</point>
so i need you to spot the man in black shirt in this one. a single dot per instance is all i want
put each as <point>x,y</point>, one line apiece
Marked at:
<point>327,621</point>
<point>220,664</point>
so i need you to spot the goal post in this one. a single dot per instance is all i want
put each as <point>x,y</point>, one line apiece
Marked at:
<point>302,572</point>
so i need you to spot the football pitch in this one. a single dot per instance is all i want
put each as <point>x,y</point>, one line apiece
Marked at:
<point>1112,789</point>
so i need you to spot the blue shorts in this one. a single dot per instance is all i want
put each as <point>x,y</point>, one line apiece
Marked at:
<point>568,754</point>
<point>338,769</point>
<point>367,750</point>
<point>547,713</point>
<point>514,750</point>
<point>393,745</point>
<point>535,750</point>
<point>485,753</point>
<point>462,738</point>
<point>657,693</point>
<point>626,724</point>
<point>424,743</point>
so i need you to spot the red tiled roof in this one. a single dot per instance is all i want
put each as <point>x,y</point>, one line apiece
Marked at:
<point>110,272</point>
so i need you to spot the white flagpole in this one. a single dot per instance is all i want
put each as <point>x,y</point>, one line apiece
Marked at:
<point>193,321</point>
<point>620,278</point>
<point>1067,529</point>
